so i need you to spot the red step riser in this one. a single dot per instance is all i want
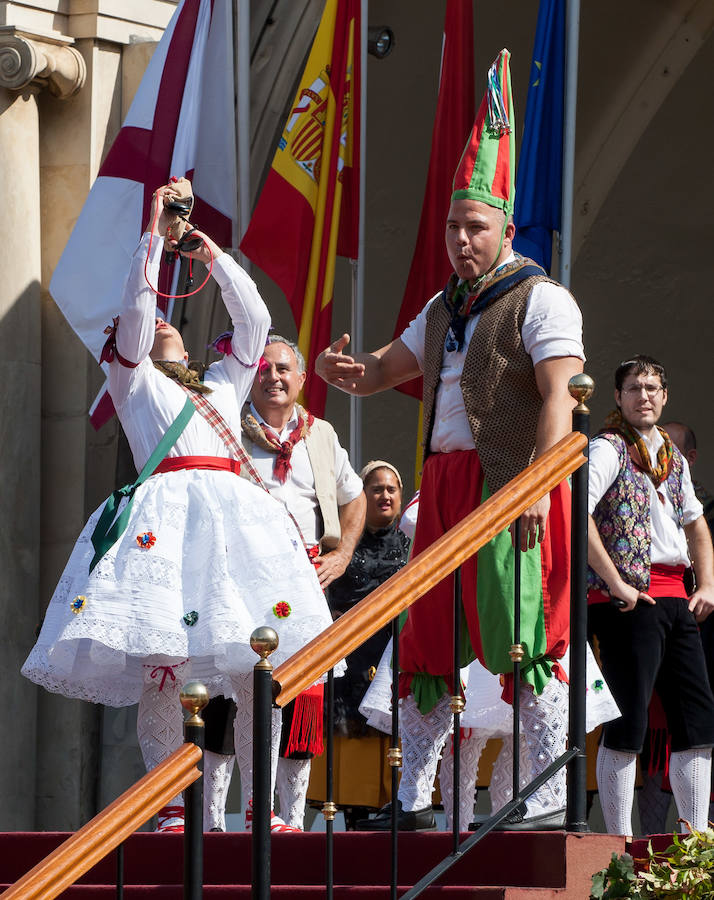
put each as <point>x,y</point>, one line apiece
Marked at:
<point>359,859</point>
<point>293,892</point>
<point>545,865</point>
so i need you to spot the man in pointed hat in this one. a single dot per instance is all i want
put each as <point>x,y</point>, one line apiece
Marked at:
<point>496,348</point>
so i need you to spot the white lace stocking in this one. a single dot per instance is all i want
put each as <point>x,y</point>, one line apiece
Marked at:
<point>276,729</point>
<point>653,804</point>
<point>423,739</point>
<point>243,736</point>
<point>690,777</point>
<point>544,723</point>
<point>217,770</point>
<point>293,779</point>
<point>159,723</point>
<point>471,747</point>
<point>500,790</point>
<point>616,772</point>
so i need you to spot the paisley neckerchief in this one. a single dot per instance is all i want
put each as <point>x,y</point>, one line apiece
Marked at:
<point>190,375</point>
<point>637,448</point>
<point>464,300</point>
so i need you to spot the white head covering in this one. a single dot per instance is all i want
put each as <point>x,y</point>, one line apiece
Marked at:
<point>380,464</point>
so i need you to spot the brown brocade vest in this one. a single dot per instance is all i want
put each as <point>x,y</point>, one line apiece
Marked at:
<point>497,383</point>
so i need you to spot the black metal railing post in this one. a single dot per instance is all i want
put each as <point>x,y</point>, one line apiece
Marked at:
<point>516,654</point>
<point>457,707</point>
<point>120,872</point>
<point>394,758</point>
<point>580,388</point>
<point>329,807</point>
<point>194,697</point>
<point>264,641</point>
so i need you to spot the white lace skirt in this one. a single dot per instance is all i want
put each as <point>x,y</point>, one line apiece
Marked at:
<point>485,710</point>
<point>206,558</point>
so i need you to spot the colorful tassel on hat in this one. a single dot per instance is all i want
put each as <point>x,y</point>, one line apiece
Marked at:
<point>487,168</point>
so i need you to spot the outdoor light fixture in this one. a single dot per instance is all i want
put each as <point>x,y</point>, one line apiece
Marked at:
<point>380,40</point>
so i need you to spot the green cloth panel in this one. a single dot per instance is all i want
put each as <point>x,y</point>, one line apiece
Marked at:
<point>494,588</point>
<point>110,527</point>
<point>494,591</point>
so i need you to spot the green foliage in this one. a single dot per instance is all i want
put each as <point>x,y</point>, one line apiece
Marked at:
<point>617,880</point>
<point>685,871</point>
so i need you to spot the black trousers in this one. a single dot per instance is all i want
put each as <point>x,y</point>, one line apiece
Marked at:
<point>654,647</point>
<point>219,715</point>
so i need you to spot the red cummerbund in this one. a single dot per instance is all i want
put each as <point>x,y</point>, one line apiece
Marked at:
<point>175,463</point>
<point>665,581</point>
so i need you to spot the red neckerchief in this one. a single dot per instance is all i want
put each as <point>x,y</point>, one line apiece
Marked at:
<point>284,449</point>
<point>263,436</point>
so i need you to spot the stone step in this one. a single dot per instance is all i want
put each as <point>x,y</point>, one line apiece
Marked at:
<point>507,865</point>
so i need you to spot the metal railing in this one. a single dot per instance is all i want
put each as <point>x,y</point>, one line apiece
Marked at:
<point>109,829</point>
<point>382,606</point>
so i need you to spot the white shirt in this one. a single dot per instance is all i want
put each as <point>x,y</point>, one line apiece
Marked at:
<point>552,327</point>
<point>410,513</point>
<point>146,401</point>
<point>298,492</point>
<point>669,542</point>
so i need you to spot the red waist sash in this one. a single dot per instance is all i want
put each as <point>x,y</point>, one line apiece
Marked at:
<point>665,581</point>
<point>176,463</point>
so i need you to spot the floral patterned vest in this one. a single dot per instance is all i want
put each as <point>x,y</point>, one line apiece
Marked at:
<point>623,517</point>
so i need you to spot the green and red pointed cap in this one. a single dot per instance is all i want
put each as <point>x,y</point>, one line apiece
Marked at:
<point>487,169</point>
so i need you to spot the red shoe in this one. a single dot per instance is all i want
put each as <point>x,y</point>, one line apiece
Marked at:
<point>280,826</point>
<point>170,820</point>
<point>277,825</point>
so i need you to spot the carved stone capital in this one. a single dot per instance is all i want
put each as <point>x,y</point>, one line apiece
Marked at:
<point>31,63</point>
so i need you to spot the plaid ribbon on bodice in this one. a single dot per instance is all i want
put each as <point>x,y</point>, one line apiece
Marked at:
<point>233,445</point>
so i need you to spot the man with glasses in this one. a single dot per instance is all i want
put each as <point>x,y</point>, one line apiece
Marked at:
<point>646,529</point>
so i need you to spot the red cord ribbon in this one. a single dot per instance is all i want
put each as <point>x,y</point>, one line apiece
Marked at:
<point>167,670</point>
<point>109,350</point>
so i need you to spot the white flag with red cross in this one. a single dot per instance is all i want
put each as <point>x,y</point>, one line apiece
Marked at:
<point>181,123</point>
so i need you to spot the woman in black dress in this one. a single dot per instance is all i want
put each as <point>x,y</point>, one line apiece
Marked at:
<point>362,778</point>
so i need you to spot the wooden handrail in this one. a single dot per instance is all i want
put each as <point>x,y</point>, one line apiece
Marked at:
<point>86,847</point>
<point>428,568</point>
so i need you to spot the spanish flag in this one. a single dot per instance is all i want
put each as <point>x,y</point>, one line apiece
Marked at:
<point>308,209</point>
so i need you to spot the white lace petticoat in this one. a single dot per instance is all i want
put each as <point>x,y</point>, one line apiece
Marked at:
<point>206,558</point>
<point>485,710</point>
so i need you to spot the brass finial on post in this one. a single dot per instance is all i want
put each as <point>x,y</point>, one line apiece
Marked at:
<point>329,810</point>
<point>194,698</point>
<point>517,652</point>
<point>580,388</point>
<point>264,641</point>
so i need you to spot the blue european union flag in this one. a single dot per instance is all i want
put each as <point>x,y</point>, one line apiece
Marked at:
<point>538,180</point>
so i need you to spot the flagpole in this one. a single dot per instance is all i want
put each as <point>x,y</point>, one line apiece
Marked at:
<point>572,30</point>
<point>241,43</point>
<point>358,267</point>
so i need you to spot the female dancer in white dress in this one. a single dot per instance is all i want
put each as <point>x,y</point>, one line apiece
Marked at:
<point>205,553</point>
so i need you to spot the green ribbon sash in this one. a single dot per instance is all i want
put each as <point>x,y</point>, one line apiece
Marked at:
<point>111,527</point>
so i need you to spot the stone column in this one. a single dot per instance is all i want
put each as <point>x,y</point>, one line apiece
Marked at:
<point>27,66</point>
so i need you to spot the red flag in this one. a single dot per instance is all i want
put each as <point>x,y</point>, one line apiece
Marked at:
<point>308,209</point>
<point>180,123</point>
<point>430,267</point>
